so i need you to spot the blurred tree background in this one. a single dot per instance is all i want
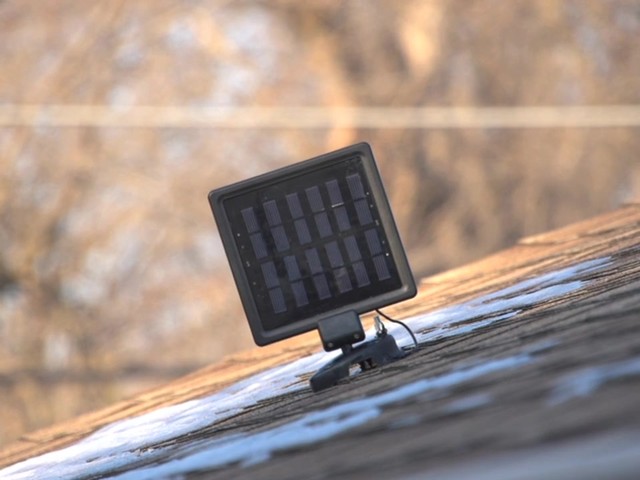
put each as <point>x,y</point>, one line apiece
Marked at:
<point>117,118</point>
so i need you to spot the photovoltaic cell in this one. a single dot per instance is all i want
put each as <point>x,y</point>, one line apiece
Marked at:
<point>259,247</point>
<point>291,264</point>
<point>270,275</point>
<point>299,294</point>
<point>381,267</point>
<point>343,281</point>
<point>335,195</point>
<point>313,260</point>
<point>315,199</point>
<point>353,251</point>
<point>342,218</point>
<point>373,241</point>
<point>277,300</point>
<point>362,277</point>
<point>322,222</point>
<point>272,213</point>
<point>363,212</point>
<point>333,252</point>
<point>280,238</point>
<point>302,230</point>
<point>322,287</point>
<point>294,205</point>
<point>355,186</point>
<point>250,220</point>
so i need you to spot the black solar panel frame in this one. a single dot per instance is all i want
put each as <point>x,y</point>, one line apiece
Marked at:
<point>362,151</point>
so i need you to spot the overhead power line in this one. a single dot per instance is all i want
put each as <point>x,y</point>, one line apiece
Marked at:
<point>319,117</point>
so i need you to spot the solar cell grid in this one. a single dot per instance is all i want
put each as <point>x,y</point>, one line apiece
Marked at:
<point>277,300</point>
<point>279,229</point>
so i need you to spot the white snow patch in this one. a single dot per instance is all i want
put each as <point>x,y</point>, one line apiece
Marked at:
<point>588,380</point>
<point>406,421</point>
<point>470,402</point>
<point>127,443</point>
<point>500,305</point>
<point>313,427</point>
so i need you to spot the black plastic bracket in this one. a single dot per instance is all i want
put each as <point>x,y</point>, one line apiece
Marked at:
<point>375,353</point>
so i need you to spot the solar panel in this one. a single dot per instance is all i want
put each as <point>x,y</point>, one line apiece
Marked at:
<point>311,240</point>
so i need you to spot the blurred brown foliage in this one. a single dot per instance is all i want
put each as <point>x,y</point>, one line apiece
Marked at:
<point>112,276</point>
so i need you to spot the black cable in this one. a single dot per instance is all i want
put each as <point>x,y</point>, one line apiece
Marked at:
<point>387,317</point>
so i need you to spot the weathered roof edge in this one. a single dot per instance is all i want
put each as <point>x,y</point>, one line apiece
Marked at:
<point>534,255</point>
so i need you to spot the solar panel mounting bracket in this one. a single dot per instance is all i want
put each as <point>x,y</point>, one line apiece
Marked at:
<point>342,331</point>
